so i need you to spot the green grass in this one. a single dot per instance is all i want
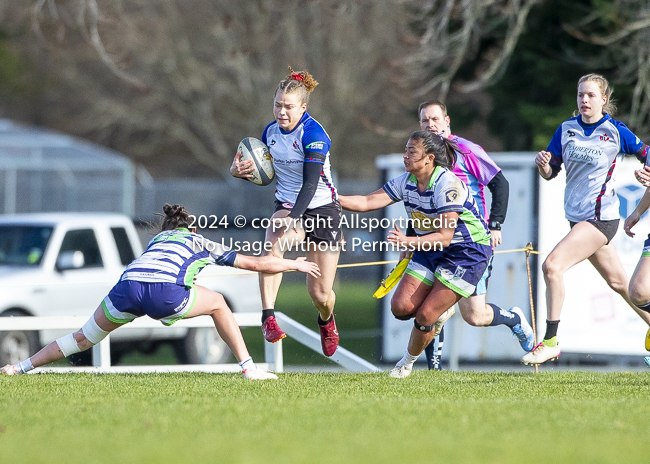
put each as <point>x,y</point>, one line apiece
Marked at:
<point>442,417</point>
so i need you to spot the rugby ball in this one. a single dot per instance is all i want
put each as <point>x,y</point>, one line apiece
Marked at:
<point>254,149</point>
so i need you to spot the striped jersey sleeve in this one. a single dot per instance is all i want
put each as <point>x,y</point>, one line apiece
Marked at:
<point>177,256</point>
<point>394,188</point>
<point>449,194</point>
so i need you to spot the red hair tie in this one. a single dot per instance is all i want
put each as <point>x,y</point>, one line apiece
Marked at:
<point>298,77</point>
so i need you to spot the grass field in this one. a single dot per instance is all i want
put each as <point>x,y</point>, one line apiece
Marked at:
<point>444,417</point>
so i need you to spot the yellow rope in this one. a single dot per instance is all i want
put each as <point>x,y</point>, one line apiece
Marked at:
<point>377,263</point>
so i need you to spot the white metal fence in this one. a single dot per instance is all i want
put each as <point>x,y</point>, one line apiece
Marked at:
<point>102,352</point>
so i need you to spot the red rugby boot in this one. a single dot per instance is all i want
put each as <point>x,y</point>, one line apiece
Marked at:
<point>329,336</point>
<point>272,331</point>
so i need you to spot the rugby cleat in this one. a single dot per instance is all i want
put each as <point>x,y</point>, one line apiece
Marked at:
<point>272,331</point>
<point>258,374</point>
<point>329,336</point>
<point>523,331</point>
<point>647,340</point>
<point>400,372</point>
<point>10,369</point>
<point>647,361</point>
<point>542,353</point>
<point>444,317</point>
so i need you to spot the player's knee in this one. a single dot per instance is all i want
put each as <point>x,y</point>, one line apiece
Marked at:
<point>638,294</point>
<point>402,310</point>
<point>549,268</point>
<point>73,343</point>
<point>427,316</point>
<point>82,341</point>
<point>218,301</point>
<point>319,297</point>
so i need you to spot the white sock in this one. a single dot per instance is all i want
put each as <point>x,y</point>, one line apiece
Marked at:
<point>25,366</point>
<point>247,364</point>
<point>407,360</point>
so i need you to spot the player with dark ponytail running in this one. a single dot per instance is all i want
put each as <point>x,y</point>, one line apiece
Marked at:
<point>449,261</point>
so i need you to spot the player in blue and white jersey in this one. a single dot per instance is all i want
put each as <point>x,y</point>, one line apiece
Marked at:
<point>452,241</point>
<point>475,168</point>
<point>160,284</point>
<point>306,203</point>
<point>588,145</point>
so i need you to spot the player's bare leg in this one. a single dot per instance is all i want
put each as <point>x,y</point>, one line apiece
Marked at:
<point>322,294</point>
<point>270,283</point>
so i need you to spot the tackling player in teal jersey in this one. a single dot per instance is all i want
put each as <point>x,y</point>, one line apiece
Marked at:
<point>160,284</point>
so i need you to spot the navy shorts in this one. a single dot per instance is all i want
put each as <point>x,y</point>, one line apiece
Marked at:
<point>460,267</point>
<point>163,301</point>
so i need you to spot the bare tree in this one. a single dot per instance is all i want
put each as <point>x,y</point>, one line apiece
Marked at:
<point>178,78</point>
<point>480,34</point>
<point>623,29</point>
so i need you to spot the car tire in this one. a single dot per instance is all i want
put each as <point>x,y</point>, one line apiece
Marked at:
<point>202,346</point>
<point>17,346</point>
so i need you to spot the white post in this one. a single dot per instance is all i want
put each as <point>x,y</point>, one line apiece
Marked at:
<point>102,353</point>
<point>456,334</point>
<point>273,355</point>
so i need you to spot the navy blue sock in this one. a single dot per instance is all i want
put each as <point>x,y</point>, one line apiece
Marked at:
<point>504,317</point>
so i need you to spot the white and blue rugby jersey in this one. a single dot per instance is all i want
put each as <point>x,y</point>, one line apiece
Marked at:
<point>445,193</point>
<point>176,256</point>
<point>589,152</point>
<point>306,143</point>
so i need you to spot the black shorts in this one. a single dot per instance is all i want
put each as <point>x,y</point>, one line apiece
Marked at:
<point>608,228</point>
<point>322,224</point>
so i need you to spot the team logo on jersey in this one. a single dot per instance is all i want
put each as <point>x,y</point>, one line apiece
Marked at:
<point>571,133</point>
<point>315,146</point>
<point>295,145</point>
<point>451,195</point>
<point>272,142</point>
<point>604,137</point>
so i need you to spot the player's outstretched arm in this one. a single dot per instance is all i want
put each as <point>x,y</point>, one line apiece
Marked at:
<point>271,264</point>
<point>362,203</point>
